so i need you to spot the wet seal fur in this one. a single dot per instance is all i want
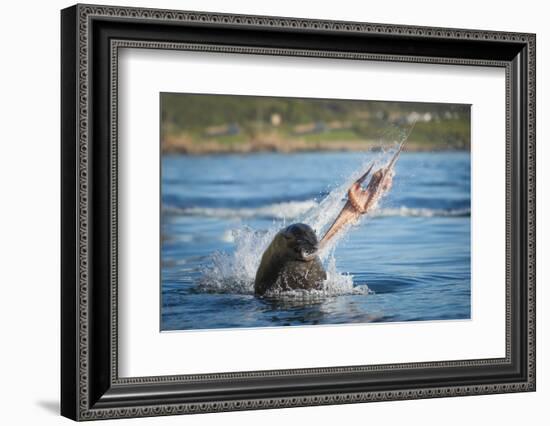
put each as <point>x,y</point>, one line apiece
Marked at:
<point>290,262</point>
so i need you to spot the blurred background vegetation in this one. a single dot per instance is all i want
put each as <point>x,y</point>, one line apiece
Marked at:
<point>198,124</point>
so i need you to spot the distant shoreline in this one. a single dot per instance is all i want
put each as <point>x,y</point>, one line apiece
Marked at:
<point>185,146</point>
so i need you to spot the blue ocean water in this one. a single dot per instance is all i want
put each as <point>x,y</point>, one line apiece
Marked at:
<point>408,261</point>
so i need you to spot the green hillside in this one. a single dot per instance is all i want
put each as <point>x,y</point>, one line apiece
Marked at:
<point>209,123</point>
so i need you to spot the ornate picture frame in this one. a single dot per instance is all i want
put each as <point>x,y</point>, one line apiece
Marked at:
<point>91,37</point>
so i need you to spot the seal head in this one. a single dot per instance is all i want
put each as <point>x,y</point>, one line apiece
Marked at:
<point>290,262</point>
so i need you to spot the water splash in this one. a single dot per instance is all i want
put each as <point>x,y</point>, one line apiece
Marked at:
<point>235,272</point>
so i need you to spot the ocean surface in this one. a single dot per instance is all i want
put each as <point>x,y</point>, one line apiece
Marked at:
<point>407,261</point>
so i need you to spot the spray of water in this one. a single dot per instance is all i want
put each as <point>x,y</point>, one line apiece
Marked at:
<point>235,272</point>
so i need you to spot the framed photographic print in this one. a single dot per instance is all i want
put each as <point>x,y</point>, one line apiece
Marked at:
<point>263,212</point>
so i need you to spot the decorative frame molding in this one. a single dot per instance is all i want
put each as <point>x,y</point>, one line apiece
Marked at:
<point>91,388</point>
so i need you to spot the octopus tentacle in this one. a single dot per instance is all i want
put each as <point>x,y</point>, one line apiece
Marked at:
<point>355,202</point>
<point>360,200</point>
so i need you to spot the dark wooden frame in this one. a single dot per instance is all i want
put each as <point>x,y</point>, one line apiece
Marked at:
<point>91,37</point>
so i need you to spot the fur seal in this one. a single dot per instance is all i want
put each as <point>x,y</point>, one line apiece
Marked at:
<point>291,262</point>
